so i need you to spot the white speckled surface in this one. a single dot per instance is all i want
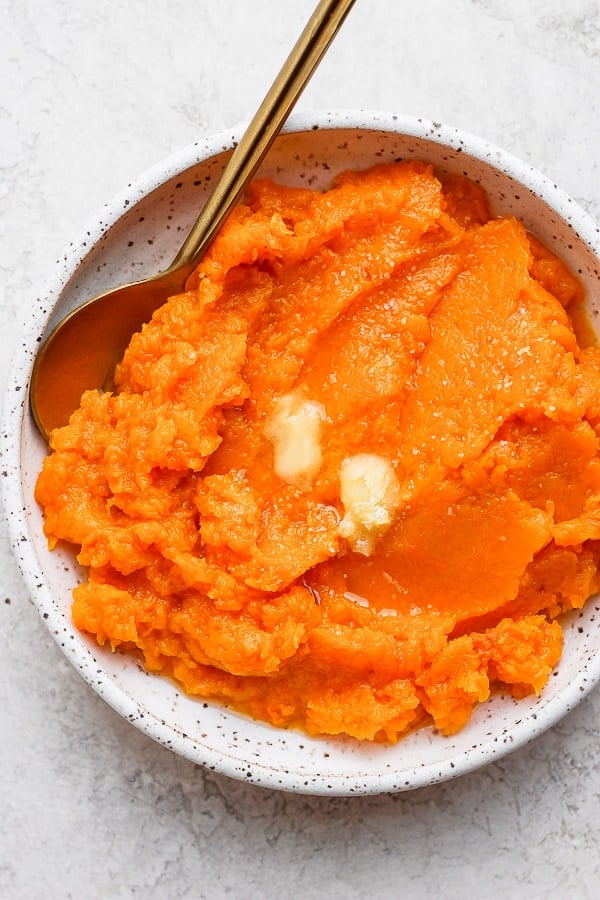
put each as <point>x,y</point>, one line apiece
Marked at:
<point>92,95</point>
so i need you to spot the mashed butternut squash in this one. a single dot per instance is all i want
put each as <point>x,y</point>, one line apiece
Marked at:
<point>350,479</point>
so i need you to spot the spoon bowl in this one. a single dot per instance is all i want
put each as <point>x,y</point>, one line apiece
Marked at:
<point>84,348</point>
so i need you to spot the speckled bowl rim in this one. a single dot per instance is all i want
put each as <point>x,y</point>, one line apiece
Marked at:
<point>16,408</point>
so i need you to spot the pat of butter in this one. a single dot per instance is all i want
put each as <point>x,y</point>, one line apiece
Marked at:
<point>294,429</point>
<point>370,493</point>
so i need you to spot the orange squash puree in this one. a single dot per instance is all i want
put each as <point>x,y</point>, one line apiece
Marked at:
<point>351,478</point>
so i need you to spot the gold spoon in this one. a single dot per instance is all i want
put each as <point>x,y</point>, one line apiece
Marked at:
<point>83,349</point>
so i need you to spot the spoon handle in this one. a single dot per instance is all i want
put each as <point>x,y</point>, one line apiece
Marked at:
<point>264,127</point>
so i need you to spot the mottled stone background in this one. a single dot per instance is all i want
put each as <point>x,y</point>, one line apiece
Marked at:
<point>92,94</point>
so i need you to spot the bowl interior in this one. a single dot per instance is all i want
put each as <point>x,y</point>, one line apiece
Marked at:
<point>140,233</point>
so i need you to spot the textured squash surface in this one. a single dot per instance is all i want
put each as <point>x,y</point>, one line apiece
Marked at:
<point>351,478</point>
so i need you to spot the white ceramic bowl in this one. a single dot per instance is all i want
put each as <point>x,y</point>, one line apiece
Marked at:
<point>139,232</point>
